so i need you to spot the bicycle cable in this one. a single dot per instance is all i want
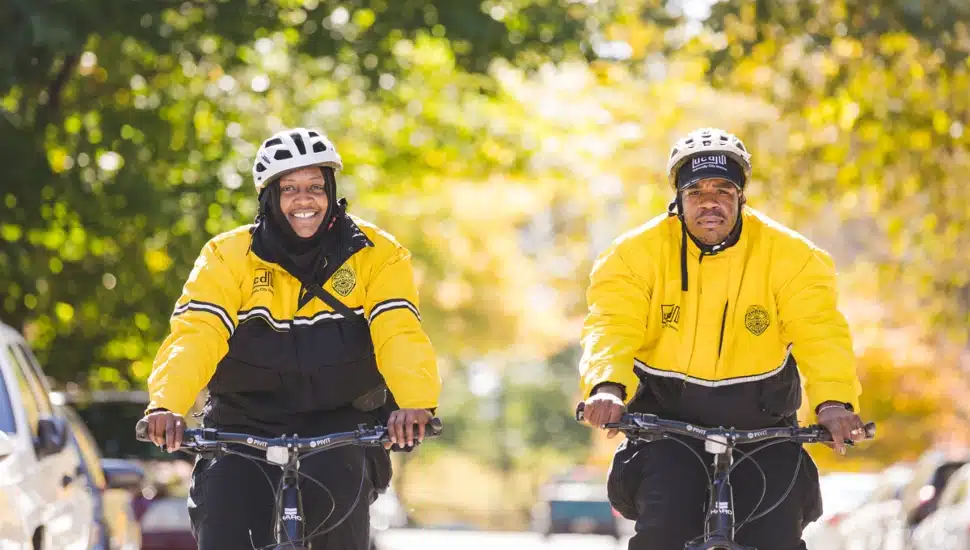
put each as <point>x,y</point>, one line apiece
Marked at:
<point>764,487</point>
<point>275,488</point>
<point>278,489</point>
<point>316,531</point>
<point>360,489</point>
<point>751,516</point>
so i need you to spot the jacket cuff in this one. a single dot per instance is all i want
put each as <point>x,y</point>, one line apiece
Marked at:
<point>623,392</point>
<point>834,391</point>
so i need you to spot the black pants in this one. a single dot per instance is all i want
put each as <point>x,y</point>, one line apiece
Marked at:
<point>231,501</point>
<point>663,487</point>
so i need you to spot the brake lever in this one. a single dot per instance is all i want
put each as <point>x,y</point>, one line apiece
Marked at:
<point>377,435</point>
<point>636,433</point>
<point>869,429</point>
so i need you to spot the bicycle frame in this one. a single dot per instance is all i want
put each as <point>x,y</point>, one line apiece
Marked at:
<point>720,442</point>
<point>285,452</point>
<point>720,516</point>
<point>290,525</point>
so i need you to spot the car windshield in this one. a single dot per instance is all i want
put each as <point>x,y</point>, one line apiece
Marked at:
<point>7,422</point>
<point>113,426</point>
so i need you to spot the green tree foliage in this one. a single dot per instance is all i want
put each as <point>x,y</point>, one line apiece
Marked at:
<point>875,103</point>
<point>127,134</point>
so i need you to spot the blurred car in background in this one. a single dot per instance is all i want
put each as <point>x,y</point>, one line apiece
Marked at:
<point>160,505</point>
<point>576,503</point>
<point>922,494</point>
<point>111,483</point>
<point>386,512</point>
<point>875,524</point>
<point>44,500</point>
<point>948,526</point>
<point>842,493</point>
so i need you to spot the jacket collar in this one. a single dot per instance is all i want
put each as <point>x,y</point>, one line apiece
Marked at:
<point>728,247</point>
<point>352,240</point>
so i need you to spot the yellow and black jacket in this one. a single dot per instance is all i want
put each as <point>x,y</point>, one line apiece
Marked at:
<point>724,351</point>
<point>269,354</point>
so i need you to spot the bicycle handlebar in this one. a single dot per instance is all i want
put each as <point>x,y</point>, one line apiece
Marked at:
<point>640,424</point>
<point>210,439</point>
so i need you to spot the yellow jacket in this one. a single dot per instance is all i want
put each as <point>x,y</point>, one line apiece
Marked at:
<point>239,327</point>
<point>733,339</point>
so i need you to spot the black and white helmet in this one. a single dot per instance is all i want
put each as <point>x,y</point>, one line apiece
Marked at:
<point>292,149</point>
<point>707,140</point>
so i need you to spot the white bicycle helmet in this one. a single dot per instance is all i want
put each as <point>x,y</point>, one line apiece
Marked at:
<point>707,140</point>
<point>292,149</point>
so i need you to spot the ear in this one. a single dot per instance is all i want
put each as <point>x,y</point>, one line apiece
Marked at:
<point>742,198</point>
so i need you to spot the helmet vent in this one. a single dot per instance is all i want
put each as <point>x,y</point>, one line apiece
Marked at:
<point>298,140</point>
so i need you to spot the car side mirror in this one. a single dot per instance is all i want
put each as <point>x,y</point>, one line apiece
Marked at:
<point>51,436</point>
<point>6,445</point>
<point>122,474</point>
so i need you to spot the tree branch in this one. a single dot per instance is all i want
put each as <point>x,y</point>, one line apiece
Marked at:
<point>54,90</point>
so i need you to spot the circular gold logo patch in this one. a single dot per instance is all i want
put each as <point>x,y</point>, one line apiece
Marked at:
<point>756,320</point>
<point>344,281</point>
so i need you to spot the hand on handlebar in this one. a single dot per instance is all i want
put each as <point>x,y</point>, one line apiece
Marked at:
<point>165,429</point>
<point>604,407</point>
<point>400,426</point>
<point>843,424</point>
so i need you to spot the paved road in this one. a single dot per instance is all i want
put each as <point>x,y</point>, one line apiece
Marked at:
<point>429,539</point>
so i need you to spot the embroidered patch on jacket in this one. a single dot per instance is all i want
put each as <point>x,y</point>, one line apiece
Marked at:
<point>670,315</point>
<point>344,281</point>
<point>263,281</point>
<point>756,320</point>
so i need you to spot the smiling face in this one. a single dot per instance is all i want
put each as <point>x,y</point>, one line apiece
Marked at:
<point>711,208</point>
<point>303,200</point>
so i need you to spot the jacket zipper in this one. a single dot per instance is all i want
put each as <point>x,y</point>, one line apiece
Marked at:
<point>697,308</point>
<point>720,341</point>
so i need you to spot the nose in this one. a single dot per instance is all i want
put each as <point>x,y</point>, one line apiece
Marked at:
<point>708,200</point>
<point>303,197</point>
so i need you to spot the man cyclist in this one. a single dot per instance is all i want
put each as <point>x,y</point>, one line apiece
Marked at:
<point>295,323</point>
<point>707,315</point>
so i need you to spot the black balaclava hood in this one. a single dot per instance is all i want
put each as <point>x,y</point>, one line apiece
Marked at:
<point>277,237</point>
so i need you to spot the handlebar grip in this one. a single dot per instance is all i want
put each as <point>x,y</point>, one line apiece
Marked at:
<point>141,430</point>
<point>580,407</point>
<point>870,430</point>
<point>435,426</point>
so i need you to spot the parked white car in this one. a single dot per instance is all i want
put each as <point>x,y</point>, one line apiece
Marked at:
<point>877,523</point>
<point>948,527</point>
<point>44,501</point>
<point>842,492</point>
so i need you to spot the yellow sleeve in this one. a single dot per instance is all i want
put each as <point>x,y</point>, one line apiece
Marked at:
<point>614,328</point>
<point>405,356</point>
<point>819,333</point>
<point>203,320</point>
